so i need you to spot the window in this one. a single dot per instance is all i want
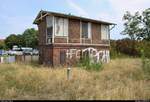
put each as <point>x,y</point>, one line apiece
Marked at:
<point>49,29</point>
<point>86,30</point>
<point>104,32</point>
<point>61,26</point>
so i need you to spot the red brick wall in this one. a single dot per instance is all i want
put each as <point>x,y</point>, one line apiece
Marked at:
<point>58,47</point>
<point>45,55</point>
<point>86,41</point>
<point>60,40</point>
<point>42,32</point>
<point>52,54</point>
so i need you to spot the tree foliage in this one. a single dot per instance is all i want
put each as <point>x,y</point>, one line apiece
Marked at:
<point>30,37</point>
<point>146,24</point>
<point>123,48</point>
<point>27,39</point>
<point>137,26</point>
<point>132,23</point>
<point>13,39</point>
<point>2,44</point>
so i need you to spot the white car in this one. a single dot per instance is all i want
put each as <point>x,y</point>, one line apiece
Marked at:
<point>35,52</point>
<point>12,52</point>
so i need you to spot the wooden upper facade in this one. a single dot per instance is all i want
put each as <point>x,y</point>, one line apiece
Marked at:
<point>57,28</point>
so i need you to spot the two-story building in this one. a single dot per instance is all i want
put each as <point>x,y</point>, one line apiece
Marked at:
<point>64,37</point>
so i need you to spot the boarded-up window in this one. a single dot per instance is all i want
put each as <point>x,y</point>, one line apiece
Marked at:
<point>104,32</point>
<point>61,26</point>
<point>62,57</point>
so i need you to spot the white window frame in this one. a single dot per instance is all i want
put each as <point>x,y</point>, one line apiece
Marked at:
<point>104,32</point>
<point>65,28</point>
<point>89,30</point>
<point>52,30</point>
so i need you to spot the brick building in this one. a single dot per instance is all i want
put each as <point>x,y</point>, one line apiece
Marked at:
<point>63,37</point>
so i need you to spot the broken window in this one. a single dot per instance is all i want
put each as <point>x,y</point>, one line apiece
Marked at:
<point>61,26</point>
<point>104,32</point>
<point>86,30</point>
<point>49,29</point>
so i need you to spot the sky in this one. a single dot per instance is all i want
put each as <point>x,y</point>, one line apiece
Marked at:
<point>18,15</point>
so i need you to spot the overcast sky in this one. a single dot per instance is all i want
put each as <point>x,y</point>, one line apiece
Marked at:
<point>17,15</point>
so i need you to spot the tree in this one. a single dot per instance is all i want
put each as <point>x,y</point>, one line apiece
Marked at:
<point>30,37</point>
<point>2,44</point>
<point>132,27</point>
<point>137,26</point>
<point>146,25</point>
<point>13,39</point>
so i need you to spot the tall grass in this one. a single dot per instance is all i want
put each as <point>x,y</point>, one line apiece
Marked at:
<point>120,79</point>
<point>145,65</point>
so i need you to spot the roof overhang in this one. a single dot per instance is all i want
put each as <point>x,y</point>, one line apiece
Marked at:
<point>43,14</point>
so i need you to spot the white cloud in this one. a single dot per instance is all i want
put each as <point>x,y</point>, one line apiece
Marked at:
<point>76,7</point>
<point>119,7</point>
<point>129,5</point>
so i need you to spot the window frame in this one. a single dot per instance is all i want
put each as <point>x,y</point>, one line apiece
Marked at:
<point>48,25</point>
<point>105,32</point>
<point>89,29</point>
<point>65,27</point>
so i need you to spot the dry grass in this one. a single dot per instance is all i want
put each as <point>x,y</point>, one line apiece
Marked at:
<point>120,79</point>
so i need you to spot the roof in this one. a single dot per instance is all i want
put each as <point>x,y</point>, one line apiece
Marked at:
<point>46,13</point>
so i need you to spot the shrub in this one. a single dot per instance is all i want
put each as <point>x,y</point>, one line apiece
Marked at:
<point>127,46</point>
<point>145,46</point>
<point>113,51</point>
<point>88,64</point>
<point>122,47</point>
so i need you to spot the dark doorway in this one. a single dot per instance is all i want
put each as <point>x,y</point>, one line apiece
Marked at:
<point>62,57</point>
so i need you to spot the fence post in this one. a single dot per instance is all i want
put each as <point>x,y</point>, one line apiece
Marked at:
<point>68,73</point>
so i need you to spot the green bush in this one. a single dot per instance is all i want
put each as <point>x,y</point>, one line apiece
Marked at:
<point>126,47</point>
<point>88,64</point>
<point>145,46</point>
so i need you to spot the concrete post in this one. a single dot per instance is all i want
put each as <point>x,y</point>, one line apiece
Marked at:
<point>68,73</point>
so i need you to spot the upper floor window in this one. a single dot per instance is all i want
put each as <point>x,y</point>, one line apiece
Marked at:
<point>61,26</point>
<point>86,30</point>
<point>104,32</point>
<point>49,29</point>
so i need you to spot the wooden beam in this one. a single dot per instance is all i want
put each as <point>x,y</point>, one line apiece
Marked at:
<point>41,17</point>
